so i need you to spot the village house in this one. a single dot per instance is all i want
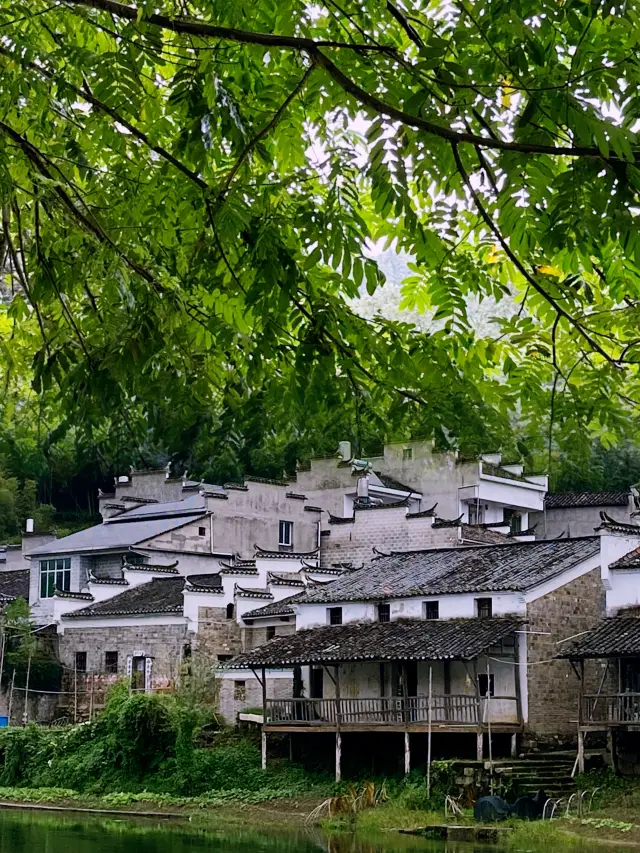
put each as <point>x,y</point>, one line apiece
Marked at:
<point>578,513</point>
<point>610,704</point>
<point>459,640</point>
<point>481,491</point>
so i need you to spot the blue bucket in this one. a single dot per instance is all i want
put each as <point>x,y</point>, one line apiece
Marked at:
<point>4,722</point>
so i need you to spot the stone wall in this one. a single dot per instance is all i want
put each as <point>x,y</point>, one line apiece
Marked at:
<point>554,687</point>
<point>163,643</point>
<point>384,528</point>
<point>257,636</point>
<point>216,635</point>
<point>238,694</point>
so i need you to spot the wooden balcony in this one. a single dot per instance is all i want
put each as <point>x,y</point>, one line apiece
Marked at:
<point>610,709</point>
<point>393,712</point>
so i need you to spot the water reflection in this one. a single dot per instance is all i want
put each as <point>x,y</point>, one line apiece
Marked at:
<point>33,832</point>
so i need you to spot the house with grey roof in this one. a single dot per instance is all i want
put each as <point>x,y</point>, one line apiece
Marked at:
<point>456,641</point>
<point>578,513</point>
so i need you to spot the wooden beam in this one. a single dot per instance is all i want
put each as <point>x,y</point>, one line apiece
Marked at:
<point>407,753</point>
<point>580,751</point>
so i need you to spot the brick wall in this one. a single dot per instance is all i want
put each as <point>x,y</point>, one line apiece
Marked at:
<point>237,694</point>
<point>387,529</point>
<point>554,687</point>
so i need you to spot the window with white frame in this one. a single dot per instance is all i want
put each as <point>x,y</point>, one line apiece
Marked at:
<point>55,574</point>
<point>285,534</point>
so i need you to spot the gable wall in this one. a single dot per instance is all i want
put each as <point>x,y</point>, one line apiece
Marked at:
<point>553,688</point>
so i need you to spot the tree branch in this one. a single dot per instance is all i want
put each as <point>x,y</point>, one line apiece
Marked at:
<point>520,267</point>
<point>251,144</point>
<point>313,49</point>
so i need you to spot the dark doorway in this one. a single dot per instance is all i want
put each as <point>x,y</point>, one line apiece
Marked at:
<point>317,682</point>
<point>138,674</point>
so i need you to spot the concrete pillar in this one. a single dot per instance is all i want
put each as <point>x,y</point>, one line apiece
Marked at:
<point>338,756</point>
<point>407,754</point>
<point>479,746</point>
<point>514,745</point>
<point>264,750</point>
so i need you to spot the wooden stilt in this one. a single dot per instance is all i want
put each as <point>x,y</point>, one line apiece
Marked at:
<point>264,750</point>
<point>338,756</point>
<point>514,745</point>
<point>25,714</point>
<point>480,745</point>
<point>429,729</point>
<point>407,754</point>
<point>580,751</point>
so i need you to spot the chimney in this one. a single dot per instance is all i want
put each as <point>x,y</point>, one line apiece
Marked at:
<point>29,527</point>
<point>362,489</point>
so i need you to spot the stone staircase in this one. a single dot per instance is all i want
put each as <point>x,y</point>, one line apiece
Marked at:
<point>549,771</point>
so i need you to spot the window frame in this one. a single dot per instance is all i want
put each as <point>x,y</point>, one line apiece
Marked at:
<point>486,680</point>
<point>384,611</point>
<point>271,632</point>
<point>80,657</point>
<point>111,666</point>
<point>334,615</point>
<point>425,610</point>
<point>407,454</point>
<point>202,531</point>
<point>484,608</point>
<point>54,574</point>
<point>285,534</point>
<point>240,691</point>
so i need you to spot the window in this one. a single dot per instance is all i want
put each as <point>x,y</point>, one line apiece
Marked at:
<point>513,519</point>
<point>111,662</point>
<point>484,608</point>
<point>81,661</point>
<point>271,632</point>
<point>202,531</point>
<point>240,691</point>
<point>335,615</point>
<point>432,610</point>
<point>486,684</point>
<point>285,535</point>
<point>384,613</point>
<point>55,574</point>
<point>231,611</point>
<point>407,453</point>
<point>476,514</point>
<point>134,559</point>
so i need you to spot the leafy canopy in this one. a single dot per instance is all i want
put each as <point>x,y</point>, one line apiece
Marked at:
<point>190,195</point>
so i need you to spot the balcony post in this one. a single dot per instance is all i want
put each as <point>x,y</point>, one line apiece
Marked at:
<point>338,700</point>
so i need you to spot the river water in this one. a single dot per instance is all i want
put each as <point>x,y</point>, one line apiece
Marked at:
<point>37,832</point>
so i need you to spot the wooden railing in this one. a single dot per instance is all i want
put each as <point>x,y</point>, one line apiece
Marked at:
<point>611,708</point>
<point>454,709</point>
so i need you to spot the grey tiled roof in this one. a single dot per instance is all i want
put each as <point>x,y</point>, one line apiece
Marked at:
<point>391,483</point>
<point>483,535</point>
<point>14,584</point>
<point>439,571</point>
<point>615,636</point>
<point>609,523</point>
<point>120,532</point>
<point>266,554</point>
<point>205,583</point>
<point>160,595</point>
<point>459,639</point>
<point>284,607</point>
<point>576,499</point>
<point>629,561</point>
